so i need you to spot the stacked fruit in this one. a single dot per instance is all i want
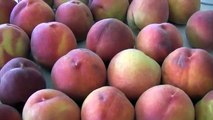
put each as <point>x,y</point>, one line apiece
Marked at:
<point>105,60</point>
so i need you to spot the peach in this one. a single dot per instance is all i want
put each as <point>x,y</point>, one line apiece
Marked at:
<point>107,103</point>
<point>78,73</point>
<point>190,70</point>
<point>57,3</point>
<point>109,36</point>
<point>9,113</point>
<point>6,7</point>
<point>49,104</point>
<point>199,30</point>
<point>50,41</point>
<point>144,12</point>
<point>18,62</point>
<point>81,23</point>
<point>203,108</point>
<point>14,43</point>
<point>158,40</point>
<point>27,14</point>
<point>164,102</point>
<point>133,72</point>
<point>109,9</point>
<point>49,2</point>
<point>19,79</point>
<point>181,16</point>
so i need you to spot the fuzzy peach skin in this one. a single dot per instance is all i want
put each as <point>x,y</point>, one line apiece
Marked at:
<point>57,3</point>
<point>8,112</point>
<point>50,41</point>
<point>27,14</point>
<point>133,72</point>
<point>158,40</point>
<point>203,108</point>
<point>49,2</point>
<point>109,36</point>
<point>107,103</point>
<point>181,10</point>
<point>102,9</point>
<point>199,30</point>
<point>164,102</point>
<point>19,79</point>
<point>14,42</point>
<point>144,12</point>
<point>6,7</point>
<point>190,70</point>
<point>18,62</point>
<point>81,23</point>
<point>78,73</point>
<point>50,104</point>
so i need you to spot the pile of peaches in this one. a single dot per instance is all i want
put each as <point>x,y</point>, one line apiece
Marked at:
<point>106,60</point>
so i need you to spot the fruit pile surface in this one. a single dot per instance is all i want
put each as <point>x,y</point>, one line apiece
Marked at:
<point>106,60</point>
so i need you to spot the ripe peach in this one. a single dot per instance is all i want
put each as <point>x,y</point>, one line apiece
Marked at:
<point>164,102</point>
<point>18,62</point>
<point>57,3</point>
<point>181,16</point>
<point>145,12</point>
<point>49,2</point>
<point>27,14</point>
<point>109,36</point>
<point>190,70</point>
<point>102,9</point>
<point>158,40</point>
<point>20,78</point>
<point>107,103</point>
<point>78,73</point>
<point>133,72</point>
<point>50,41</point>
<point>9,113</point>
<point>6,7</point>
<point>49,104</point>
<point>203,108</point>
<point>14,43</point>
<point>199,30</point>
<point>79,24</point>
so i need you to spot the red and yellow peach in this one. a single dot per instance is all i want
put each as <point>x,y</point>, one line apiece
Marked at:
<point>50,41</point>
